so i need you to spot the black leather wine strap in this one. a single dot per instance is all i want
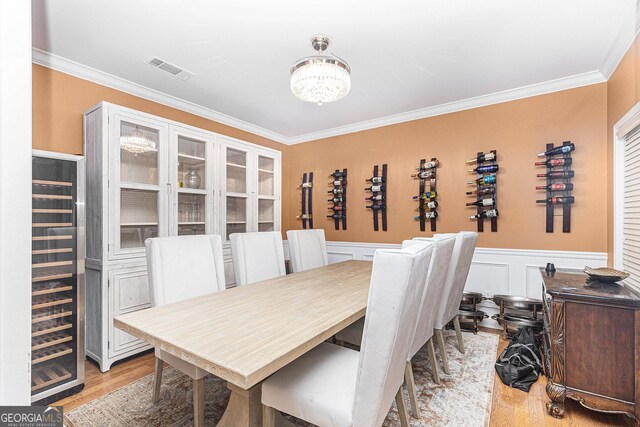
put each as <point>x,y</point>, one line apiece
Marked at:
<point>421,201</point>
<point>303,209</point>
<point>310,200</point>
<point>373,202</point>
<point>385,184</point>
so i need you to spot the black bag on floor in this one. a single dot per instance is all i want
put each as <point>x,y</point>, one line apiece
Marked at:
<point>519,364</point>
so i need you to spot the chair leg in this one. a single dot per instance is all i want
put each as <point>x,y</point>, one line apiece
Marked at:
<point>268,416</point>
<point>198,402</point>
<point>432,359</point>
<point>456,324</point>
<point>411,388</point>
<point>443,351</point>
<point>157,380</point>
<point>402,409</point>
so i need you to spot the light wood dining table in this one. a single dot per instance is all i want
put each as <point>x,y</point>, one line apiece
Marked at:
<point>245,334</point>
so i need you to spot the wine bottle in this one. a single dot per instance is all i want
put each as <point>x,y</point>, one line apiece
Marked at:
<point>427,215</point>
<point>375,188</point>
<point>484,169</point>
<point>428,165</point>
<point>567,200</point>
<point>486,214</point>
<point>338,174</point>
<point>557,174</point>
<point>339,183</point>
<point>489,179</point>
<point>336,216</point>
<point>423,175</point>
<point>483,202</point>
<point>336,191</point>
<point>336,200</point>
<point>376,179</point>
<point>427,195</point>
<point>338,208</point>
<point>377,207</point>
<point>304,216</point>
<point>555,162</point>
<point>558,150</point>
<point>482,191</point>
<point>485,157</point>
<point>431,204</point>
<point>306,185</point>
<point>375,197</point>
<point>555,187</point>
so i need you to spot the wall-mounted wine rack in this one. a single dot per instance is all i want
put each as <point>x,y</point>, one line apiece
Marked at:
<point>378,196</point>
<point>306,209</point>
<point>427,198</point>
<point>339,198</point>
<point>559,186</point>
<point>486,191</point>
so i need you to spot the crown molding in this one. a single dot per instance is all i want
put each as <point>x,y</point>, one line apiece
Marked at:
<point>621,46</point>
<point>84,72</point>
<point>550,86</point>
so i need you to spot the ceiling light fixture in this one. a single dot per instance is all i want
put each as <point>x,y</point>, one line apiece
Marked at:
<point>320,78</point>
<point>136,142</point>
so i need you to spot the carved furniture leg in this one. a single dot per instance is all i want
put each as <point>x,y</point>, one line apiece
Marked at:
<point>557,394</point>
<point>244,407</point>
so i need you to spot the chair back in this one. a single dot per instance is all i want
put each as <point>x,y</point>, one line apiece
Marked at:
<point>308,249</point>
<point>183,267</point>
<point>257,256</point>
<point>457,276</point>
<point>433,295</point>
<point>397,281</point>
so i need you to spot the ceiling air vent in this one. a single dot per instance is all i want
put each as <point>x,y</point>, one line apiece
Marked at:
<point>169,68</point>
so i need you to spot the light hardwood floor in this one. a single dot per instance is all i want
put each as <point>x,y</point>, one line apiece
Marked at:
<point>510,407</point>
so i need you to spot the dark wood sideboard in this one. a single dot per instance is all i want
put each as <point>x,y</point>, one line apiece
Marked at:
<point>591,343</point>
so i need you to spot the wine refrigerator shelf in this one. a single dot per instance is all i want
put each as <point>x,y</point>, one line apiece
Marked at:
<point>338,199</point>
<point>427,197</point>
<point>378,198</point>
<point>559,185</point>
<point>306,198</point>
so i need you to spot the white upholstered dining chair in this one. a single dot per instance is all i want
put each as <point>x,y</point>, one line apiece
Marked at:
<point>456,279</point>
<point>336,386</point>
<point>183,267</point>
<point>257,256</point>
<point>308,249</point>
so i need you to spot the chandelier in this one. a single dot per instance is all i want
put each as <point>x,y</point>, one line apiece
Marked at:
<point>320,78</point>
<point>136,142</point>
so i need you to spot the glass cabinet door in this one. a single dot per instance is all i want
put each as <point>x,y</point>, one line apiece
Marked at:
<point>266,193</point>
<point>193,172</point>
<point>139,176</point>
<point>236,191</point>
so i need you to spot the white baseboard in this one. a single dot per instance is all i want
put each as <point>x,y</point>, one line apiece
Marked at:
<point>493,271</point>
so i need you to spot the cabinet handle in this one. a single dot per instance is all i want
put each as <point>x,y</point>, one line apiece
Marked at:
<point>168,188</point>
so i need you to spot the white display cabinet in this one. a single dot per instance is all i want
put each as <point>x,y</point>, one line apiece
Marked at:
<point>147,177</point>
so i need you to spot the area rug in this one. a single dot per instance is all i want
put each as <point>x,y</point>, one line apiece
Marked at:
<point>463,398</point>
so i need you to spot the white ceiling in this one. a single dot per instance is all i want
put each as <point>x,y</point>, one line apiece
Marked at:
<point>405,55</point>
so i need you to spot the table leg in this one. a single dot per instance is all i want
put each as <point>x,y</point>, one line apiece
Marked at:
<point>244,408</point>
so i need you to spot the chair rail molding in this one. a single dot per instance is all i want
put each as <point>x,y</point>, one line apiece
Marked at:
<point>493,270</point>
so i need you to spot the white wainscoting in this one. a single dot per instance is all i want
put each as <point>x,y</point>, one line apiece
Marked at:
<point>493,271</point>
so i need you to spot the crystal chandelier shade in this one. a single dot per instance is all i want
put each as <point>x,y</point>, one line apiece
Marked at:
<point>136,142</point>
<point>320,79</point>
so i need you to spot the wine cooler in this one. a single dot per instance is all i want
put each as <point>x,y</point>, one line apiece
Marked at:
<point>57,271</point>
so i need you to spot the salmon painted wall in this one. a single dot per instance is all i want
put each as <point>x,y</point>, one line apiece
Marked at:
<point>623,92</point>
<point>518,130</point>
<point>59,100</point>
